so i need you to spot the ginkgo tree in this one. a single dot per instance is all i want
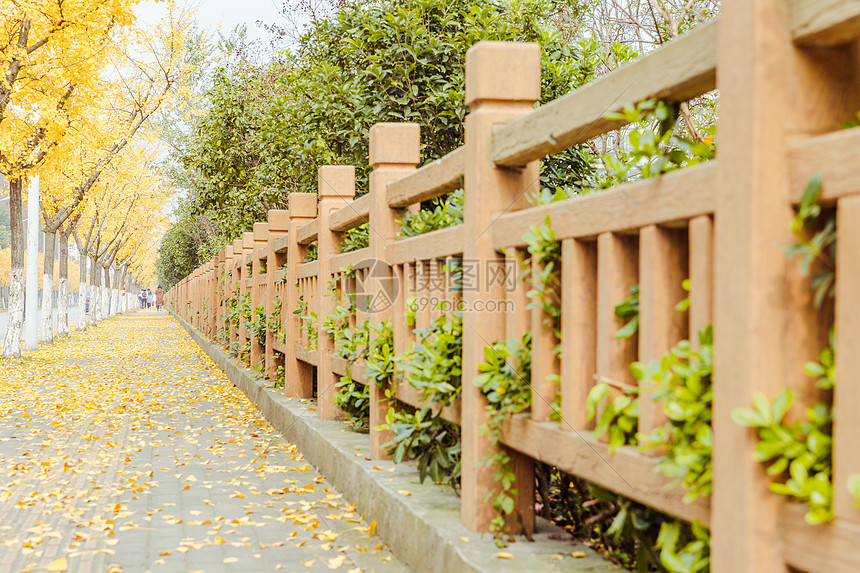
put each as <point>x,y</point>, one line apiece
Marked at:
<point>96,87</point>
<point>119,215</point>
<point>149,65</point>
<point>51,52</point>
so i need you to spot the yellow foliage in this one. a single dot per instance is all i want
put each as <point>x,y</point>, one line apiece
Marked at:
<point>73,278</point>
<point>80,79</point>
<point>52,56</point>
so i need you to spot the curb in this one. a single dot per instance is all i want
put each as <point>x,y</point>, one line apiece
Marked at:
<point>423,528</point>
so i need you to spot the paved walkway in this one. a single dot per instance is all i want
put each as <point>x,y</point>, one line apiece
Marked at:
<point>125,448</point>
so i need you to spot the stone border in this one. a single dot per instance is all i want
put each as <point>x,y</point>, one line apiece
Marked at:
<point>422,528</point>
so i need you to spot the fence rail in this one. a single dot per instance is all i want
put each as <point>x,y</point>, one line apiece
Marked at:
<point>722,225</point>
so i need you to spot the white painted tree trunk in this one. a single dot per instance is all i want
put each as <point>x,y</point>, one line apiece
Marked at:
<point>15,325</point>
<point>114,301</point>
<point>62,288</point>
<point>95,297</point>
<point>63,308</point>
<point>96,304</point>
<point>83,289</point>
<point>106,292</point>
<point>121,289</point>
<point>46,328</point>
<point>82,304</point>
<point>91,310</point>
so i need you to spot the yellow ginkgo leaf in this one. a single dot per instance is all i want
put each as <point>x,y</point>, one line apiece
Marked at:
<point>59,565</point>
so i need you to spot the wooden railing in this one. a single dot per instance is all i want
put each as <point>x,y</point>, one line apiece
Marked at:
<point>787,79</point>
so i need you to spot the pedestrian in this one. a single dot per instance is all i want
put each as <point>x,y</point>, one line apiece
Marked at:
<point>150,299</point>
<point>140,299</point>
<point>159,298</point>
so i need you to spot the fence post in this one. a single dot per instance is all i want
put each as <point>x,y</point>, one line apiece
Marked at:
<point>258,292</point>
<point>772,93</point>
<point>189,298</point>
<point>235,283</point>
<point>212,295</point>
<point>205,295</point>
<point>244,258</point>
<point>186,300</point>
<point>279,225</point>
<point>228,292</point>
<point>299,376</point>
<point>502,83</point>
<point>846,395</point>
<point>218,297</point>
<point>336,184</point>
<point>395,150</point>
<point>195,289</point>
<point>195,300</point>
<point>201,300</point>
<point>198,296</point>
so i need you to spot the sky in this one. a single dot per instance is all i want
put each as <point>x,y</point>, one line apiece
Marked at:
<point>222,15</point>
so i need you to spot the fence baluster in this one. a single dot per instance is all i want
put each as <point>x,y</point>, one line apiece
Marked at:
<point>663,268</point>
<point>336,184</point>
<point>299,375</point>
<point>502,83</point>
<point>394,153</point>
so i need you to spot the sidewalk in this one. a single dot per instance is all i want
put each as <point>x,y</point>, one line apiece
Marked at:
<point>125,448</point>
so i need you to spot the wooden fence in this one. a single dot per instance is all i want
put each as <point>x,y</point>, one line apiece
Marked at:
<point>789,73</point>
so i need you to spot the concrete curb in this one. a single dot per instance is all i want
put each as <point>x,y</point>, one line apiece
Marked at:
<point>423,529</point>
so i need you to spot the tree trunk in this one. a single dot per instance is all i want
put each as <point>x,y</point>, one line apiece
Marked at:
<point>94,314</point>
<point>108,293</point>
<point>46,329</point>
<point>114,294</point>
<point>123,301</point>
<point>83,289</point>
<point>15,325</point>
<point>62,286</point>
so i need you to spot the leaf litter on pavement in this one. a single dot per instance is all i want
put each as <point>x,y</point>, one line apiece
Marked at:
<point>124,448</point>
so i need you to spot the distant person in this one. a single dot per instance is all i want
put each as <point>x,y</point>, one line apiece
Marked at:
<point>140,296</point>
<point>150,299</point>
<point>159,298</point>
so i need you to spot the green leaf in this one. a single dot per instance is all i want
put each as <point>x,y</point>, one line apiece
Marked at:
<point>628,329</point>
<point>748,417</point>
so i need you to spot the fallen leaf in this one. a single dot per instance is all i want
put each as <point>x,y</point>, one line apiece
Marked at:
<point>504,555</point>
<point>58,565</point>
